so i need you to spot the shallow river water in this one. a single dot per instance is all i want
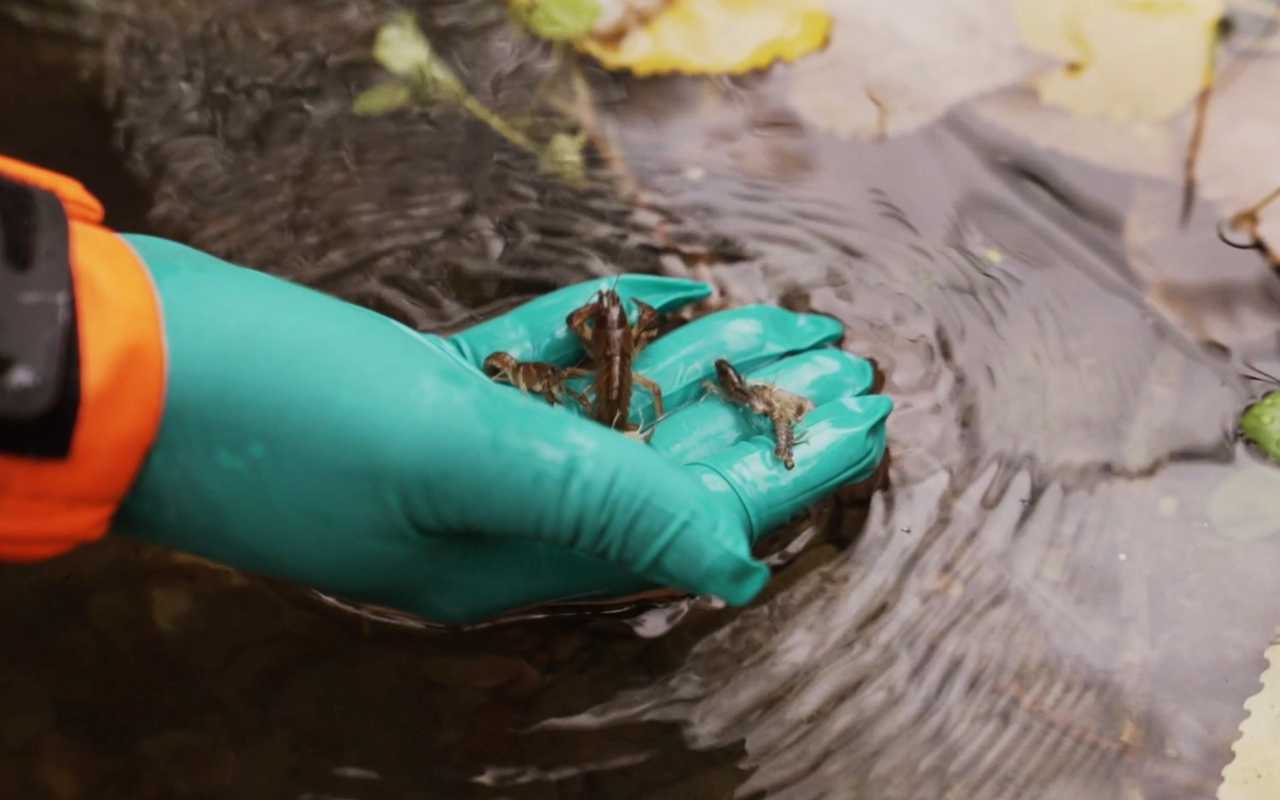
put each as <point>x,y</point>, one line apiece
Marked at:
<point>1064,589</point>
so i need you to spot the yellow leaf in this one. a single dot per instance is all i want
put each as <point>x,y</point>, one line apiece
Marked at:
<point>1126,59</point>
<point>1254,772</point>
<point>717,37</point>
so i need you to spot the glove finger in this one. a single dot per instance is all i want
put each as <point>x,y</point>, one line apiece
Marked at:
<point>536,331</point>
<point>581,487</point>
<point>647,514</point>
<point>711,423</point>
<point>839,442</point>
<point>748,337</point>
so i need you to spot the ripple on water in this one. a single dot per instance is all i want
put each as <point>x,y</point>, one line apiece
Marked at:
<point>1003,626</point>
<point>1038,606</point>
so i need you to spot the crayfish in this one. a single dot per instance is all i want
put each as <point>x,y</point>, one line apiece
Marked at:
<point>612,344</point>
<point>783,408</point>
<point>536,377</point>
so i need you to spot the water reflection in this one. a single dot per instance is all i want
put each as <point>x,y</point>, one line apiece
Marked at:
<point>1040,605</point>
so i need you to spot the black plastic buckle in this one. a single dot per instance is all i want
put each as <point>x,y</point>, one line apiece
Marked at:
<point>39,354</point>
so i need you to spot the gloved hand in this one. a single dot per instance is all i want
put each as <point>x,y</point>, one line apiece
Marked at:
<point>309,439</point>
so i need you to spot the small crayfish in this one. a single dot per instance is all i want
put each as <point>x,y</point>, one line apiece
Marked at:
<point>612,344</point>
<point>783,408</point>
<point>535,377</point>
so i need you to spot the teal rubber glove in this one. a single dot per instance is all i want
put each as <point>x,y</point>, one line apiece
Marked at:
<point>312,440</point>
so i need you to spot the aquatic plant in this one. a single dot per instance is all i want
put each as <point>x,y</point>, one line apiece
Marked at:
<point>422,77</point>
<point>1260,424</point>
<point>557,20</point>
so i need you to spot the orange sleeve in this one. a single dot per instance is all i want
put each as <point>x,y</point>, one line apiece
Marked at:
<point>48,506</point>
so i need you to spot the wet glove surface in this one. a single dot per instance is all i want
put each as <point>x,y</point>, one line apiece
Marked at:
<point>312,440</point>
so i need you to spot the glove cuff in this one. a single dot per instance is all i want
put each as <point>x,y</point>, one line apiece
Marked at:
<point>49,504</point>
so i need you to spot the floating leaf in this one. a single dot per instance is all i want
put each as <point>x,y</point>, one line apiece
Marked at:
<point>716,37</point>
<point>401,48</point>
<point>382,99</point>
<point>885,72</point>
<point>1254,771</point>
<point>1238,164</point>
<point>1237,168</point>
<point>1124,59</point>
<point>557,20</point>
<point>1260,424</point>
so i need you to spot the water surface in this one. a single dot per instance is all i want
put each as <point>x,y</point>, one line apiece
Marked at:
<point>1046,599</point>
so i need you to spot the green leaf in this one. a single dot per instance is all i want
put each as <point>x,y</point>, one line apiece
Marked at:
<point>558,20</point>
<point>1260,424</point>
<point>401,48</point>
<point>563,157</point>
<point>382,99</point>
<point>439,82</point>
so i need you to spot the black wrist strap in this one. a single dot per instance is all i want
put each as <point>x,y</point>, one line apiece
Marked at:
<point>39,349</point>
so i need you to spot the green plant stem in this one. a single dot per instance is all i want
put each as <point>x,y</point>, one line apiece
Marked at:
<point>498,124</point>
